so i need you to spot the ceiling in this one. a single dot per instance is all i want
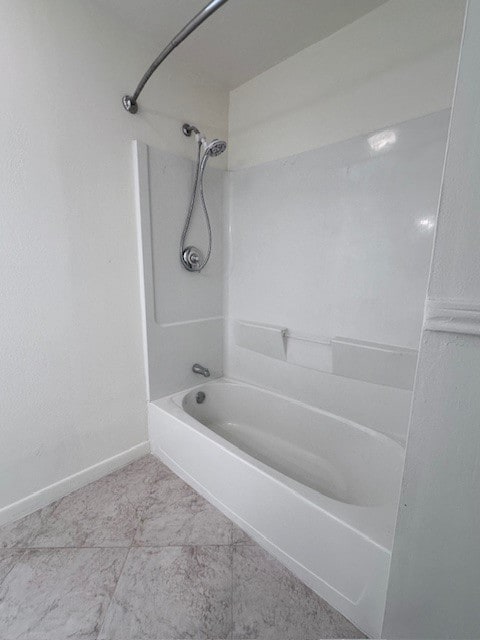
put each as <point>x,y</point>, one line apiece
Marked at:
<point>244,37</point>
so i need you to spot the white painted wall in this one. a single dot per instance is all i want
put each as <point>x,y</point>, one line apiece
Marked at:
<point>434,588</point>
<point>71,375</point>
<point>395,63</point>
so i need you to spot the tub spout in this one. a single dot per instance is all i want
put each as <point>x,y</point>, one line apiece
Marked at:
<point>203,371</point>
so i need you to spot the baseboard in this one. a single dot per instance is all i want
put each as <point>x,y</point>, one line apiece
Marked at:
<point>63,487</point>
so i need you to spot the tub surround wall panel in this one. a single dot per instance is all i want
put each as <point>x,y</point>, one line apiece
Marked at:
<point>173,351</point>
<point>183,311</point>
<point>383,408</point>
<point>337,242</point>
<point>433,586</point>
<point>179,295</point>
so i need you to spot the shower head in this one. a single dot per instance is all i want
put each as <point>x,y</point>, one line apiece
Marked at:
<point>215,147</point>
<point>211,149</point>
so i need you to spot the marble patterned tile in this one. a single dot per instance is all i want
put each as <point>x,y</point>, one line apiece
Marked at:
<point>90,517</point>
<point>172,592</point>
<point>271,603</point>
<point>21,532</point>
<point>8,559</point>
<point>178,586</point>
<point>56,594</point>
<point>104,513</point>
<point>141,479</point>
<point>180,516</point>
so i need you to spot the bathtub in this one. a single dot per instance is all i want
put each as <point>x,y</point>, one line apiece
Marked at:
<point>317,491</point>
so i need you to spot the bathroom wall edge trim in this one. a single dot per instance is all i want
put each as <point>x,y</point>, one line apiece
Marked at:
<point>452,316</point>
<point>63,487</point>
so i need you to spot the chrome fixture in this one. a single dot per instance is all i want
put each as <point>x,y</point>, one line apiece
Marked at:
<point>190,256</point>
<point>203,371</point>
<point>130,102</point>
<point>200,397</point>
<point>216,147</point>
<point>188,129</point>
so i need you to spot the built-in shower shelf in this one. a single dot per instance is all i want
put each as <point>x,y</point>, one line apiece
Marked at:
<point>270,340</point>
<point>384,364</point>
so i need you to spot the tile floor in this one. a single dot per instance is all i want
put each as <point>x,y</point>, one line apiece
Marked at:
<point>139,555</point>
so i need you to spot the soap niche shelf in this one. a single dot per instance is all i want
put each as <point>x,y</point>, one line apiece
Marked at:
<point>384,364</point>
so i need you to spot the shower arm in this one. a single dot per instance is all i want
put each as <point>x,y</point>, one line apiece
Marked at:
<point>130,102</point>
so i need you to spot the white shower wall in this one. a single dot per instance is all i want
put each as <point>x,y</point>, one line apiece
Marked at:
<point>330,243</point>
<point>335,242</point>
<point>325,238</point>
<point>183,310</point>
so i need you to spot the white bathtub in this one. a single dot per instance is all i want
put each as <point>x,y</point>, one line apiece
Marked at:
<point>318,491</point>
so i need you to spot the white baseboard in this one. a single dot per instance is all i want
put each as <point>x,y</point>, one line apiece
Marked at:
<point>59,489</point>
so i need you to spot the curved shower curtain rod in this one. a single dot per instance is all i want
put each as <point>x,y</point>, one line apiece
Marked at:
<point>130,102</point>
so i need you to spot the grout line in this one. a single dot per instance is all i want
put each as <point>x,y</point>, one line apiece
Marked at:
<point>191,544</point>
<point>231,545</point>
<point>137,524</point>
<point>132,546</point>
<point>114,588</point>
<point>63,548</point>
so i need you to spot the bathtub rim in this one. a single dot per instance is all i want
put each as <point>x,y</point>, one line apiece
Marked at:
<point>234,382</point>
<point>374,523</point>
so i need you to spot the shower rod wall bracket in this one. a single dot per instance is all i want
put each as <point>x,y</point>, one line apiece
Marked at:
<point>130,102</point>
